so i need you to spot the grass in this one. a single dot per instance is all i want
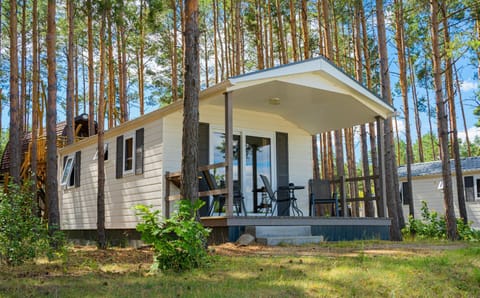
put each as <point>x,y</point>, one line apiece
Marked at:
<point>361,269</point>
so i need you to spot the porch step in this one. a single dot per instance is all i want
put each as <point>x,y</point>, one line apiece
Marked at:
<point>294,240</point>
<point>278,231</point>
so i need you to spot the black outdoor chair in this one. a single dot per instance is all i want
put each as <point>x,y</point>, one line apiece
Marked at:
<point>320,193</point>
<point>238,199</point>
<point>276,200</point>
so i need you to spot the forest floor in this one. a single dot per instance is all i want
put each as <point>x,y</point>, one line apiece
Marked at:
<point>361,269</point>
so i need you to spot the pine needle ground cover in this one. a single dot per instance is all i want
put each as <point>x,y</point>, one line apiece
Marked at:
<point>361,269</point>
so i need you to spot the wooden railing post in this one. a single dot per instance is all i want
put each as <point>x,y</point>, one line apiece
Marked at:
<point>343,195</point>
<point>167,196</point>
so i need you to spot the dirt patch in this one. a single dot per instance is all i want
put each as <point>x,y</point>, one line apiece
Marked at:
<point>231,249</point>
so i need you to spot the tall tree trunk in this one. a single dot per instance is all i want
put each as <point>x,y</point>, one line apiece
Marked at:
<point>465,127</point>
<point>402,62</point>
<point>215,49</point>
<point>14,142</point>
<point>453,118</point>
<point>442,125</point>
<point>70,83</point>
<point>328,34</point>
<point>124,75</point>
<point>1,95</point>
<point>174,55</point>
<point>321,43</point>
<point>280,32</point>
<point>102,243</point>
<point>91,91</point>
<point>394,208</point>
<point>111,76</point>
<point>306,36</point>
<point>429,112</point>
<point>189,189</point>
<point>259,35</point>
<point>52,185</point>
<point>418,124</point>
<point>270,33</point>
<point>293,30</point>
<point>238,41</point>
<point>35,104</point>
<point>140,60</point>
<point>23,77</point>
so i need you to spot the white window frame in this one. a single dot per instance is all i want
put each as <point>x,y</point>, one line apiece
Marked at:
<point>105,149</point>
<point>68,171</point>
<point>132,170</point>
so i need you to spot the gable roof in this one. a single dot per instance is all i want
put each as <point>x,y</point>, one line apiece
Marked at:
<point>435,167</point>
<point>314,94</point>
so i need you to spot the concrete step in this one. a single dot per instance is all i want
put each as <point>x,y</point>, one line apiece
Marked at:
<point>278,231</point>
<point>298,240</point>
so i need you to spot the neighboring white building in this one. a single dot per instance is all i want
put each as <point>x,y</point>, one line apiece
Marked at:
<point>274,111</point>
<point>428,186</point>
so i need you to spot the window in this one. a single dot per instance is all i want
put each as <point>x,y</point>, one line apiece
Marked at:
<point>128,156</point>
<point>67,172</point>
<point>406,197</point>
<point>71,170</point>
<point>105,153</point>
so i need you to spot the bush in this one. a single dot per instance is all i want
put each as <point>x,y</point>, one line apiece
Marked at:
<point>179,242</point>
<point>433,226</point>
<point>23,236</point>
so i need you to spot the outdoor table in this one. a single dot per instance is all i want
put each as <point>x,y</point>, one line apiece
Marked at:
<point>292,203</point>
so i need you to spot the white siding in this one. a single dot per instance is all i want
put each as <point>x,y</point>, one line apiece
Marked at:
<point>163,150</point>
<point>426,189</point>
<point>248,122</point>
<point>79,205</point>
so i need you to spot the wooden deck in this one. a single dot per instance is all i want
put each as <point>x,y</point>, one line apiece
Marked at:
<point>228,229</point>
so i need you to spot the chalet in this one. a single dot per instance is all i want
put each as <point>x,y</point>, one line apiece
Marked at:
<point>427,185</point>
<point>257,123</point>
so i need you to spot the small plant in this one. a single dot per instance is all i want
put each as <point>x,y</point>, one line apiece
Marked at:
<point>432,226</point>
<point>179,242</point>
<point>23,236</point>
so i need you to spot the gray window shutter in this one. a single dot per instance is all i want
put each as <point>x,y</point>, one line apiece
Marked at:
<point>203,143</point>
<point>139,151</point>
<point>119,165</point>
<point>78,163</point>
<point>203,158</point>
<point>282,170</point>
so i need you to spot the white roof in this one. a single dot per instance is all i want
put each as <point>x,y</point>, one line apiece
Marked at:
<point>313,94</point>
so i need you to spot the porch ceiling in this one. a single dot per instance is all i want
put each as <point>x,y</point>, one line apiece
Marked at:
<point>314,95</point>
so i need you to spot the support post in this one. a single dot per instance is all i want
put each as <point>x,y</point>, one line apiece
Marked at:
<point>343,194</point>
<point>382,212</point>
<point>166,207</point>
<point>229,152</point>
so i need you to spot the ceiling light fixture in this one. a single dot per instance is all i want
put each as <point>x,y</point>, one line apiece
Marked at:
<point>274,101</point>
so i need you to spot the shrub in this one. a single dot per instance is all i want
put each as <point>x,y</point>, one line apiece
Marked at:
<point>23,236</point>
<point>179,242</point>
<point>435,227</point>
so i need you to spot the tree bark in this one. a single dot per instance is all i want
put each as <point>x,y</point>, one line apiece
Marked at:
<point>52,185</point>
<point>35,104</point>
<point>102,243</point>
<point>306,36</point>
<point>442,127</point>
<point>418,123</point>
<point>280,32</point>
<point>402,62</point>
<point>293,30</point>
<point>70,83</point>
<point>174,55</point>
<point>453,119</point>
<point>14,142</point>
<point>91,91</point>
<point>394,210</point>
<point>23,75</point>
<point>189,189</point>
<point>465,127</point>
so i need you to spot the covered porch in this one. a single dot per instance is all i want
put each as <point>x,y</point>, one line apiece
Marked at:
<point>316,97</point>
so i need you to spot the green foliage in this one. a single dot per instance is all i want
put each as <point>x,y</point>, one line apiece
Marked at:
<point>179,242</point>
<point>23,236</point>
<point>432,226</point>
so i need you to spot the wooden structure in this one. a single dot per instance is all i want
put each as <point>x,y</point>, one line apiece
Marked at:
<point>81,132</point>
